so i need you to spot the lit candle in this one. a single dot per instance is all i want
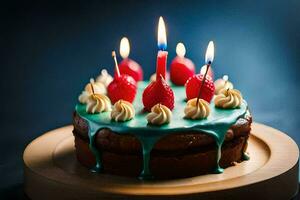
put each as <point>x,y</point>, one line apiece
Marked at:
<point>159,91</point>
<point>161,63</point>
<point>181,68</point>
<point>209,58</point>
<point>128,66</point>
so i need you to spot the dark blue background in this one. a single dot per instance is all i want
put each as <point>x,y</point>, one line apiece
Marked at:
<point>50,50</point>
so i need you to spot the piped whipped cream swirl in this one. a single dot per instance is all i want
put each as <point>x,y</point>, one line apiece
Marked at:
<point>122,111</point>
<point>194,110</point>
<point>83,97</point>
<point>104,78</point>
<point>159,115</point>
<point>228,98</point>
<point>96,87</point>
<point>222,84</point>
<point>97,103</point>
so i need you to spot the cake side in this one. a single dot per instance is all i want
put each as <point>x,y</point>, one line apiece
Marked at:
<point>183,154</point>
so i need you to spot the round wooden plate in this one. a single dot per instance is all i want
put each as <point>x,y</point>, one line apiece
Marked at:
<point>52,172</point>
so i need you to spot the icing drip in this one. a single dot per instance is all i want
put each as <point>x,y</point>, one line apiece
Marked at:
<point>147,146</point>
<point>97,103</point>
<point>122,111</point>
<point>221,84</point>
<point>229,98</point>
<point>105,78</point>
<point>93,129</point>
<point>216,125</point>
<point>160,114</point>
<point>199,111</point>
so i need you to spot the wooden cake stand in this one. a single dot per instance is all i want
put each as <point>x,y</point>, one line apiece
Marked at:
<point>52,172</point>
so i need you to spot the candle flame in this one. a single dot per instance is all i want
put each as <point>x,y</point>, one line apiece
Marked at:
<point>124,47</point>
<point>180,49</point>
<point>161,35</point>
<point>225,78</point>
<point>209,56</point>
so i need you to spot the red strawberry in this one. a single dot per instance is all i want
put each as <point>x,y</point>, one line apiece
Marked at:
<point>181,70</point>
<point>193,85</point>
<point>158,92</point>
<point>131,68</point>
<point>122,87</point>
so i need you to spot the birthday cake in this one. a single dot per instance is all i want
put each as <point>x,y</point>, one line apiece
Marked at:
<point>182,127</point>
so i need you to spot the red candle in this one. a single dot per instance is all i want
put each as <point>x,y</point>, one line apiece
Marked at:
<point>159,91</point>
<point>161,64</point>
<point>181,68</point>
<point>129,66</point>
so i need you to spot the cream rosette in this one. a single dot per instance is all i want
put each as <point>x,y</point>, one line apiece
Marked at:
<point>97,103</point>
<point>105,78</point>
<point>159,115</point>
<point>91,88</point>
<point>83,97</point>
<point>122,111</point>
<point>95,87</point>
<point>228,98</point>
<point>222,84</point>
<point>196,110</point>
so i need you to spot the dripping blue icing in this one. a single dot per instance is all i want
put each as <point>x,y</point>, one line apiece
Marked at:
<point>216,125</point>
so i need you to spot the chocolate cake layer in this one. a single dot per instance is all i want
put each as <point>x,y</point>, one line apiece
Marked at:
<point>113,142</point>
<point>165,164</point>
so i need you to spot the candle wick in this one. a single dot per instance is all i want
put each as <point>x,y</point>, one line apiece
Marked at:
<point>116,63</point>
<point>203,81</point>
